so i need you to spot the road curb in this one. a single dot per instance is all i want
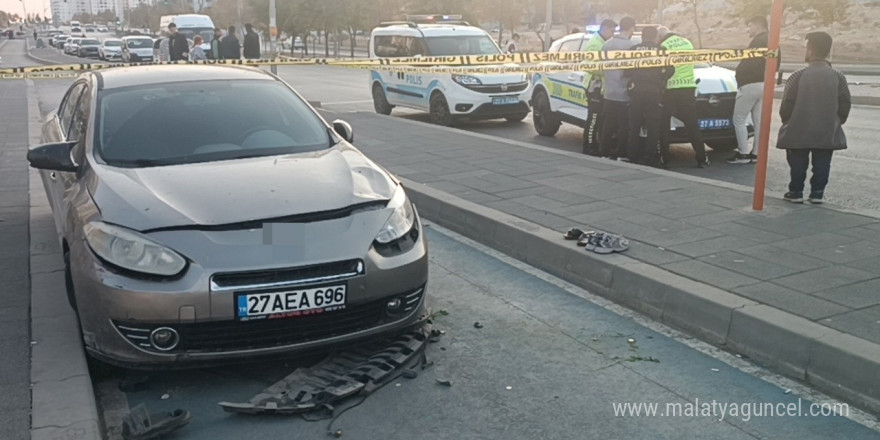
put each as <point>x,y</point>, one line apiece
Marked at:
<point>63,398</point>
<point>833,362</point>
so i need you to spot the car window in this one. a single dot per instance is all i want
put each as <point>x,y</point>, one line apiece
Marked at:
<point>90,42</point>
<point>461,45</point>
<point>68,105</point>
<point>398,46</point>
<point>78,124</point>
<point>188,122</point>
<point>570,46</point>
<point>140,43</point>
<point>112,44</point>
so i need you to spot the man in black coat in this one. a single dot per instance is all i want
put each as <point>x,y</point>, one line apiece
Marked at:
<point>646,88</point>
<point>251,43</point>
<point>178,47</point>
<point>230,46</point>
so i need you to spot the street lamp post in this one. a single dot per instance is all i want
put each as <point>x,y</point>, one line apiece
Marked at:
<point>548,23</point>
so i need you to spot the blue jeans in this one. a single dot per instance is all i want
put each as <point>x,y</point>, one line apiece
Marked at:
<point>799,161</point>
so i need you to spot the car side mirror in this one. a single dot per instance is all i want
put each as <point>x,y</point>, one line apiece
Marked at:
<point>343,129</point>
<point>54,157</point>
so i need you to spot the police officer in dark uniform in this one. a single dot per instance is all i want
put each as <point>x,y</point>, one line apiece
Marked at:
<point>646,89</point>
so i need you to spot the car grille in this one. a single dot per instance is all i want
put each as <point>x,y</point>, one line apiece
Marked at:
<point>287,276</point>
<point>232,335</point>
<point>498,88</point>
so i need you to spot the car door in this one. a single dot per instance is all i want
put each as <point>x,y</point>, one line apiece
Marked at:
<point>68,182</point>
<point>566,89</point>
<point>57,131</point>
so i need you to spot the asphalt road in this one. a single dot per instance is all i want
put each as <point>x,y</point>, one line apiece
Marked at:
<point>853,180</point>
<point>549,361</point>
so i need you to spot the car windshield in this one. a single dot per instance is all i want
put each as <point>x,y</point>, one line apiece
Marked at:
<point>140,43</point>
<point>189,122</point>
<point>461,45</point>
<point>90,42</point>
<point>190,33</point>
<point>113,43</point>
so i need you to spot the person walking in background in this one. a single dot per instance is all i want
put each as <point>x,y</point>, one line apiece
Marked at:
<point>646,88</point>
<point>593,84</point>
<point>216,52</point>
<point>680,100</point>
<point>750,94</point>
<point>513,44</point>
<point>229,45</point>
<point>815,105</point>
<point>615,111</point>
<point>178,47</point>
<point>251,43</point>
<point>196,53</point>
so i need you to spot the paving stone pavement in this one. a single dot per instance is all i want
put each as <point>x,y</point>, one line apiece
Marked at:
<point>812,261</point>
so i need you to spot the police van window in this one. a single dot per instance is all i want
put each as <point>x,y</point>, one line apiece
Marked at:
<point>570,46</point>
<point>462,45</point>
<point>391,46</point>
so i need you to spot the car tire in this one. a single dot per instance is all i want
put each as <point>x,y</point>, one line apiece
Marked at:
<point>68,281</point>
<point>380,102</point>
<point>439,110</point>
<point>517,117</point>
<point>546,124</point>
<point>722,144</point>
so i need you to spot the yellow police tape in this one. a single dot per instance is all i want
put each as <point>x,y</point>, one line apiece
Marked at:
<point>523,63</point>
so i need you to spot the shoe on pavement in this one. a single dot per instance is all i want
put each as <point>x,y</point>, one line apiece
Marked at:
<point>753,158</point>
<point>739,158</point>
<point>594,241</point>
<point>705,163</point>
<point>816,198</point>
<point>794,197</point>
<point>612,243</point>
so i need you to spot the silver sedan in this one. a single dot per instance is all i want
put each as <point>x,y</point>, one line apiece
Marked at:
<point>209,213</point>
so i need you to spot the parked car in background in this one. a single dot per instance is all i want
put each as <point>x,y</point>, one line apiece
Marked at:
<point>110,49</point>
<point>59,40</point>
<point>72,45</point>
<point>88,48</point>
<point>140,171</point>
<point>137,49</point>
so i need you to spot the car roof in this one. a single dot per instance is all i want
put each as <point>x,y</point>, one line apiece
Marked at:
<point>429,30</point>
<point>146,75</point>
<point>136,37</point>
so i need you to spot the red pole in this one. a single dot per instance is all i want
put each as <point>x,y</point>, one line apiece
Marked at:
<point>767,109</point>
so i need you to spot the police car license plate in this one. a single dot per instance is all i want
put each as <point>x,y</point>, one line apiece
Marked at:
<point>289,303</point>
<point>715,124</point>
<point>505,100</point>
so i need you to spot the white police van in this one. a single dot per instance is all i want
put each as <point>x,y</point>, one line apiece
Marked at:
<point>561,97</point>
<point>446,97</point>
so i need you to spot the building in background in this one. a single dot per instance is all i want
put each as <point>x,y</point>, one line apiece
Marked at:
<point>64,10</point>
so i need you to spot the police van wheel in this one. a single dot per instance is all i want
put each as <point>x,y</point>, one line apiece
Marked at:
<point>440,110</point>
<point>546,124</point>
<point>380,103</point>
<point>516,118</point>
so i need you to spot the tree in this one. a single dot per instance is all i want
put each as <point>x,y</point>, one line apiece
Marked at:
<point>825,12</point>
<point>693,5</point>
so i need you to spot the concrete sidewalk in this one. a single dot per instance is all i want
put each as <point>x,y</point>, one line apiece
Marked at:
<point>796,287</point>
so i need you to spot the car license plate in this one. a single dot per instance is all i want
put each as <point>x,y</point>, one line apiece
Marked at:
<point>505,100</point>
<point>290,303</point>
<point>715,124</point>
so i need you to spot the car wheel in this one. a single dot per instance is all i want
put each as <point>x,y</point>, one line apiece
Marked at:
<point>722,144</point>
<point>546,124</point>
<point>68,281</point>
<point>380,102</point>
<point>517,117</point>
<point>440,110</point>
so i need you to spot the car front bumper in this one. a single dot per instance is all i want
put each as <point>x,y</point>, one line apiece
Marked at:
<point>118,313</point>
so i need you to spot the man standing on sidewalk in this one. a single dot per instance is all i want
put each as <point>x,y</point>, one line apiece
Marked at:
<point>749,97</point>
<point>593,83</point>
<point>251,43</point>
<point>615,128</point>
<point>216,53</point>
<point>646,87</point>
<point>680,100</point>
<point>815,105</point>
<point>178,47</point>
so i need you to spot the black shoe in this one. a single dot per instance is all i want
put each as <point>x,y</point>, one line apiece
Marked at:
<point>794,197</point>
<point>817,198</point>
<point>703,164</point>
<point>753,158</point>
<point>739,158</point>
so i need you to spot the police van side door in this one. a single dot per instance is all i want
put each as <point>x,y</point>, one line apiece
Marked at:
<point>566,89</point>
<point>401,88</point>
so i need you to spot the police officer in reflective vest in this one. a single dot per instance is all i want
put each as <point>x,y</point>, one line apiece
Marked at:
<point>593,84</point>
<point>680,100</point>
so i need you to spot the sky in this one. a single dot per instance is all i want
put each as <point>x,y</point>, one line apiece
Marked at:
<point>33,6</point>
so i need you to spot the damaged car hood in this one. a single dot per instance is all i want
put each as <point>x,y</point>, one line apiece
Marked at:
<point>240,190</point>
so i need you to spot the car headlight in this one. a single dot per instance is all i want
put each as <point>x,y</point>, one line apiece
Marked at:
<point>402,218</point>
<point>131,250</point>
<point>467,80</point>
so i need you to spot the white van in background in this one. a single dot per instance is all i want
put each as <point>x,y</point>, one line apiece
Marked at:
<point>190,25</point>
